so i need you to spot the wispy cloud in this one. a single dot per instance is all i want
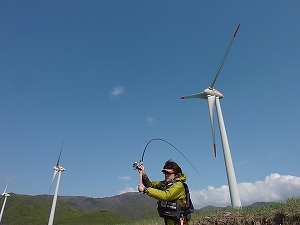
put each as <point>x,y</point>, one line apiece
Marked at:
<point>151,120</point>
<point>117,91</point>
<point>274,188</point>
<point>124,178</point>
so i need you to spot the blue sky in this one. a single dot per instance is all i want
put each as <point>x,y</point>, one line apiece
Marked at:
<point>105,77</point>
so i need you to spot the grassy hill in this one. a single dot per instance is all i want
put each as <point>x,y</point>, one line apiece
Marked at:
<point>25,209</point>
<point>137,209</point>
<point>133,205</point>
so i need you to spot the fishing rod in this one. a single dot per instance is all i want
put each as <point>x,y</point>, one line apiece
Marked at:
<point>136,165</point>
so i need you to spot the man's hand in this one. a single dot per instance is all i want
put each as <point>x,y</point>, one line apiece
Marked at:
<point>141,169</point>
<point>141,187</point>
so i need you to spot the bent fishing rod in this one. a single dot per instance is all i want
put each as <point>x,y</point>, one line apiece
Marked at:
<point>136,165</point>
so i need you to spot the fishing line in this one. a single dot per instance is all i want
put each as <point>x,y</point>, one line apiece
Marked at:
<point>137,164</point>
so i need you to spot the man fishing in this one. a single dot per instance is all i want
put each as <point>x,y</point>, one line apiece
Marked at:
<point>171,193</point>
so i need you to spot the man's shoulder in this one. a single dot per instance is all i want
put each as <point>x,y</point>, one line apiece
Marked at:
<point>181,178</point>
<point>178,184</point>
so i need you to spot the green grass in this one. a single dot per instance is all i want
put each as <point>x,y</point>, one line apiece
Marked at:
<point>287,213</point>
<point>35,211</point>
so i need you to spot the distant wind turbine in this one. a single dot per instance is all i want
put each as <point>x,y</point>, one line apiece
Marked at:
<point>4,196</point>
<point>213,96</point>
<point>57,169</point>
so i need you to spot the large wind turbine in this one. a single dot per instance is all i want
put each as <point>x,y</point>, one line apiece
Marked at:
<point>57,169</point>
<point>213,97</point>
<point>4,195</point>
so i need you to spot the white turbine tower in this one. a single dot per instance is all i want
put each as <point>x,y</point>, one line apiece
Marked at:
<point>57,169</point>
<point>4,196</point>
<point>213,96</point>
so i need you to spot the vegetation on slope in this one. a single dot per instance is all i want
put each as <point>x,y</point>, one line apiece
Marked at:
<point>286,213</point>
<point>35,210</point>
<point>24,210</point>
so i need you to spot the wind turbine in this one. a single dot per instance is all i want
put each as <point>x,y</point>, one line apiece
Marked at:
<point>4,195</point>
<point>57,169</point>
<point>213,97</point>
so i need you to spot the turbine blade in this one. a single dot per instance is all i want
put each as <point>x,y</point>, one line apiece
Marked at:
<point>62,145</point>
<point>5,189</point>
<point>9,179</point>
<point>54,174</point>
<point>211,105</point>
<point>201,95</point>
<point>224,57</point>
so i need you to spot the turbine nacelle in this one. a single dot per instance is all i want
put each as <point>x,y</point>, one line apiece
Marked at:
<point>5,195</point>
<point>58,168</point>
<point>213,92</point>
<point>205,94</point>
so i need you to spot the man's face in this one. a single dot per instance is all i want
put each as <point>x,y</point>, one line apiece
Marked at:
<point>169,176</point>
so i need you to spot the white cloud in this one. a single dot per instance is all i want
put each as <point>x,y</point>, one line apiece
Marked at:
<point>211,196</point>
<point>127,189</point>
<point>117,91</point>
<point>274,188</point>
<point>150,120</point>
<point>124,178</point>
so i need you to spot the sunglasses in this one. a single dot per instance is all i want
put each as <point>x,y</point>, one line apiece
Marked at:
<point>165,172</point>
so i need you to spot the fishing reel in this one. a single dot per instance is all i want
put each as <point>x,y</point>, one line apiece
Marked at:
<point>136,165</point>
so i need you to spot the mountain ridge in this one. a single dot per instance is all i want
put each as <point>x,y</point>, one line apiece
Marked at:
<point>128,199</point>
